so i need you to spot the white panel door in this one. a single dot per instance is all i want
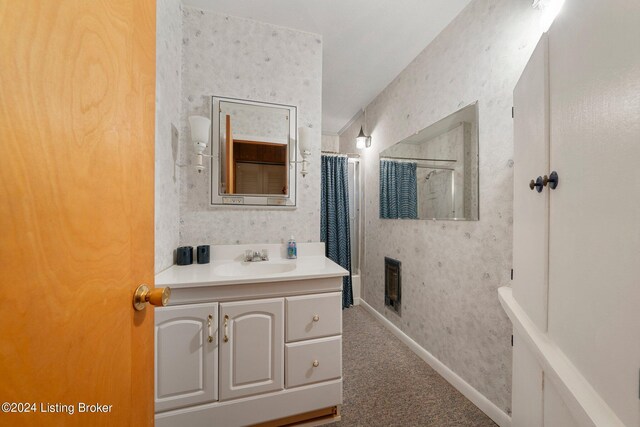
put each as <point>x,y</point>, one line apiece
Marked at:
<point>526,400</point>
<point>251,347</point>
<point>594,251</point>
<point>531,208</point>
<point>186,355</point>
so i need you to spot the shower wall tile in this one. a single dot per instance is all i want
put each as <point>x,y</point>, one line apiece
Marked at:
<point>241,58</point>
<point>451,270</point>
<point>168,71</point>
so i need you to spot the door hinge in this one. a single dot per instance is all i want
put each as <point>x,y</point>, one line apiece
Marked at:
<point>512,274</point>
<point>511,340</point>
<point>513,112</point>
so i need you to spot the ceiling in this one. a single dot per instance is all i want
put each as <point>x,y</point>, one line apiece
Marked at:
<point>366,43</point>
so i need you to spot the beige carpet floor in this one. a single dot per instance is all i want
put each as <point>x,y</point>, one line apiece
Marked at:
<point>386,384</point>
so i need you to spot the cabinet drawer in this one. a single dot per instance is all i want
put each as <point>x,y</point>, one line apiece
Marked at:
<point>301,359</point>
<point>314,316</point>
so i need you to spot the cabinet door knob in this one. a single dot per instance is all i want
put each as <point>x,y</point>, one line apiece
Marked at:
<point>537,184</point>
<point>552,180</point>
<point>316,363</point>
<point>316,317</point>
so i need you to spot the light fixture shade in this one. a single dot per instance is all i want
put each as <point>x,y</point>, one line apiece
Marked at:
<point>361,140</point>
<point>304,139</point>
<point>199,128</point>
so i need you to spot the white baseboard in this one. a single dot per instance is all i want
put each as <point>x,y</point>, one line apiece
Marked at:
<point>356,301</point>
<point>484,404</point>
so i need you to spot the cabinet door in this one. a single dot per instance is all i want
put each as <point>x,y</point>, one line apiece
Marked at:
<point>530,227</point>
<point>594,252</point>
<point>186,355</point>
<point>251,347</point>
<point>530,208</point>
<point>527,394</point>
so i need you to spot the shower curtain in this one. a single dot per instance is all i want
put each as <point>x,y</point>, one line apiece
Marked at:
<point>398,190</point>
<point>334,218</point>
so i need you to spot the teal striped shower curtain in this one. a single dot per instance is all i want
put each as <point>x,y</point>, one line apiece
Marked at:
<point>334,218</point>
<point>398,190</point>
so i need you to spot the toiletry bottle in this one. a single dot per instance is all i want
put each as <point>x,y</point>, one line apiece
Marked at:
<point>292,250</point>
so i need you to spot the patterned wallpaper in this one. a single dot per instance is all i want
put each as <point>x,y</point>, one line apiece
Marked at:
<point>168,70</point>
<point>451,270</point>
<point>241,58</point>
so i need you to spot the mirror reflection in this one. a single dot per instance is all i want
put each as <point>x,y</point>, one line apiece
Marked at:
<point>433,174</point>
<point>255,142</point>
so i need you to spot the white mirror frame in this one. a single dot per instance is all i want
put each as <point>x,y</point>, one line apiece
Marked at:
<point>238,200</point>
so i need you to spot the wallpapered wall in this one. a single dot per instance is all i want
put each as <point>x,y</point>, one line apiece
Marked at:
<point>242,58</point>
<point>168,70</point>
<point>451,270</point>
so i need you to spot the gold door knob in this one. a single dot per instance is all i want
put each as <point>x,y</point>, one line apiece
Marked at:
<point>156,296</point>
<point>316,363</point>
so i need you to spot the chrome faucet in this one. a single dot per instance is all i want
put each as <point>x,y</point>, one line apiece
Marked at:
<point>255,256</point>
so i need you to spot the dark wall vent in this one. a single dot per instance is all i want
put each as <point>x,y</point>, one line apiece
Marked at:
<point>392,284</point>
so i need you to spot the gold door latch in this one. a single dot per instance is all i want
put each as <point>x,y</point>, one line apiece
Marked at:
<point>156,296</point>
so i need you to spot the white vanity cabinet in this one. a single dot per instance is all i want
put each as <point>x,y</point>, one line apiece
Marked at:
<point>186,355</point>
<point>276,352</point>
<point>251,347</point>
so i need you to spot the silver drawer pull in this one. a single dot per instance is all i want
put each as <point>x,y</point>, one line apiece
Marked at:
<point>316,363</point>
<point>226,325</point>
<point>316,317</point>
<point>209,327</point>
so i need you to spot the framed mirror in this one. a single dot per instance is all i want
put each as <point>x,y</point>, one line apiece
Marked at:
<point>253,153</point>
<point>433,174</point>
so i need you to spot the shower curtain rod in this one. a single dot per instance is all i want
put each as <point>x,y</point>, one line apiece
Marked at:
<point>341,154</point>
<point>413,158</point>
<point>434,167</point>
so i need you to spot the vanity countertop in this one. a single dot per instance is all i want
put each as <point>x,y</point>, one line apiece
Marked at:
<point>229,269</point>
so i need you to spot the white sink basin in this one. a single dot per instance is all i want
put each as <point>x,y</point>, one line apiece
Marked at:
<point>253,268</point>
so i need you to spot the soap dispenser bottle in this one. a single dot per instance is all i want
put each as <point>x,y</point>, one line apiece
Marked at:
<point>292,250</point>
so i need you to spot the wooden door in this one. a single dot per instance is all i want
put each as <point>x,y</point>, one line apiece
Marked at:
<point>186,356</point>
<point>77,87</point>
<point>249,178</point>
<point>252,357</point>
<point>231,180</point>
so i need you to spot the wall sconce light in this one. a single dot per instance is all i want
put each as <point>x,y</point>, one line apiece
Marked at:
<point>362,140</point>
<point>304,141</point>
<point>200,131</point>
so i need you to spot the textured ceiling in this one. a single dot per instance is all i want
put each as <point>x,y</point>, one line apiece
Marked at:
<point>366,42</point>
